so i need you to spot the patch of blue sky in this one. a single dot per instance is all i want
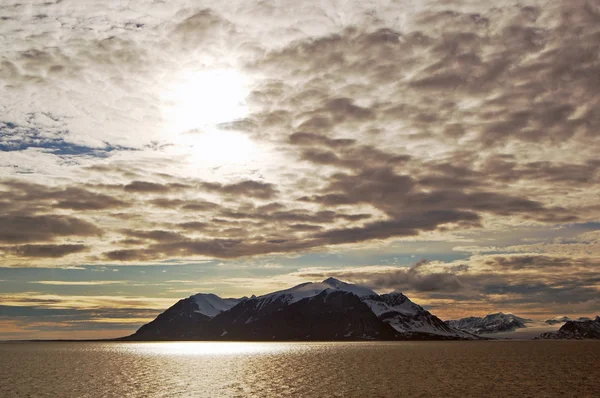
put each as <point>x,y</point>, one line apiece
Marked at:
<point>16,138</point>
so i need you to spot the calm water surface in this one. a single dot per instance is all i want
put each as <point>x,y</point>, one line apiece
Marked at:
<point>381,369</point>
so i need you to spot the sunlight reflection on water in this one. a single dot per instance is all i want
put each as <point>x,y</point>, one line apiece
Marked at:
<point>202,348</point>
<point>343,369</point>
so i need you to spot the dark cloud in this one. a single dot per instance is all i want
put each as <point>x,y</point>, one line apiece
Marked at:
<point>465,56</point>
<point>538,262</point>
<point>191,205</point>
<point>152,187</point>
<point>409,279</point>
<point>29,196</point>
<point>305,227</point>
<point>405,226</point>
<point>229,248</point>
<point>40,228</point>
<point>310,139</point>
<point>127,255</point>
<point>193,226</point>
<point>281,216</point>
<point>507,169</point>
<point>156,235</point>
<point>49,251</point>
<point>248,188</point>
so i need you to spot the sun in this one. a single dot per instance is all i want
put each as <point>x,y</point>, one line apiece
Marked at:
<point>196,103</point>
<point>205,98</point>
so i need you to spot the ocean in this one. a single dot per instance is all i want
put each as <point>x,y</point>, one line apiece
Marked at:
<point>327,369</point>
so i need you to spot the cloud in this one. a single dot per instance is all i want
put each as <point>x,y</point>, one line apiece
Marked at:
<point>50,251</point>
<point>151,187</point>
<point>23,229</point>
<point>79,283</point>
<point>29,196</point>
<point>156,235</point>
<point>403,279</point>
<point>84,302</point>
<point>252,189</point>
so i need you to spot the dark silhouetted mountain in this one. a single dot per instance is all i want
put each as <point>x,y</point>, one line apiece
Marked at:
<point>329,310</point>
<point>186,319</point>
<point>492,323</point>
<point>576,330</point>
<point>330,315</point>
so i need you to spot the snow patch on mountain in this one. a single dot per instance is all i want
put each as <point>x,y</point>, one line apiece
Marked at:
<point>211,305</point>
<point>403,315</point>
<point>310,289</point>
<point>393,302</point>
<point>565,319</point>
<point>491,323</point>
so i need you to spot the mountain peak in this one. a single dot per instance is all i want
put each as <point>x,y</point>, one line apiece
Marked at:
<point>396,294</point>
<point>310,289</point>
<point>210,304</point>
<point>332,281</point>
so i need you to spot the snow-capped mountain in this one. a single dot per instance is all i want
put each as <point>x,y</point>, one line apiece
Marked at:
<point>186,319</point>
<point>211,304</point>
<point>564,319</point>
<point>576,330</point>
<point>492,323</point>
<point>405,316</point>
<point>557,320</point>
<point>328,310</point>
<point>310,289</point>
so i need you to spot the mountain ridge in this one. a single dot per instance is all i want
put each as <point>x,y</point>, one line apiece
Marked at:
<point>327,310</point>
<point>575,330</point>
<point>491,323</point>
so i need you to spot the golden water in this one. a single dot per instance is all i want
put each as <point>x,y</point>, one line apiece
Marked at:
<point>359,369</point>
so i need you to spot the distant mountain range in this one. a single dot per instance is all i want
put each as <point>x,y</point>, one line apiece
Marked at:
<point>329,310</point>
<point>576,330</point>
<point>564,319</point>
<point>492,323</point>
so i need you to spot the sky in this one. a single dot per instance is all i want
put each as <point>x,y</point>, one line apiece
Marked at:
<point>150,150</point>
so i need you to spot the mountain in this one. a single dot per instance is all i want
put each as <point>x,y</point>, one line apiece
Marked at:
<point>564,319</point>
<point>407,317</point>
<point>329,315</point>
<point>576,330</point>
<point>492,323</point>
<point>328,310</point>
<point>186,319</point>
<point>557,320</point>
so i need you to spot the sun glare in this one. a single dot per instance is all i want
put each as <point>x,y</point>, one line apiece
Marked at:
<point>215,146</point>
<point>196,103</point>
<point>201,99</point>
<point>203,348</point>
